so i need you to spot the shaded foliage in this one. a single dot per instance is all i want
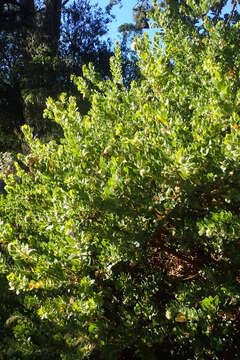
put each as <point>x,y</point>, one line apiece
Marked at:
<point>38,56</point>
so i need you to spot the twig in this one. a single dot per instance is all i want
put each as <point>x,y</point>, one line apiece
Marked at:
<point>190,277</point>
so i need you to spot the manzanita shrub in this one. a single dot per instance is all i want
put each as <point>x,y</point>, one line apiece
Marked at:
<point>122,240</point>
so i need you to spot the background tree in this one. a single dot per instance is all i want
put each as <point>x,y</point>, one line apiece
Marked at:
<point>36,61</point>
<point>128,32</point>
<point>52,23</point>
<point>80,20</point>
<point>140,13</point>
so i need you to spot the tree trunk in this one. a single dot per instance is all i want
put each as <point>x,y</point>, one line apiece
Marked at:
<point>52,24</point>
<point>28,11</point>
<point>17,15</point>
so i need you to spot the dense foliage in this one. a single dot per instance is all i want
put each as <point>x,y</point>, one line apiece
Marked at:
<point>121,241</point>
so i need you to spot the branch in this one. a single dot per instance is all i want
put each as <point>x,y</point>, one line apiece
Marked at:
<point>65,3</point>
<point>191,277</point>
<point>234,4</point>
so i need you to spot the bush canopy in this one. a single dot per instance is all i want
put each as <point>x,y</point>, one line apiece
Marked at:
<point>121,241</point>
